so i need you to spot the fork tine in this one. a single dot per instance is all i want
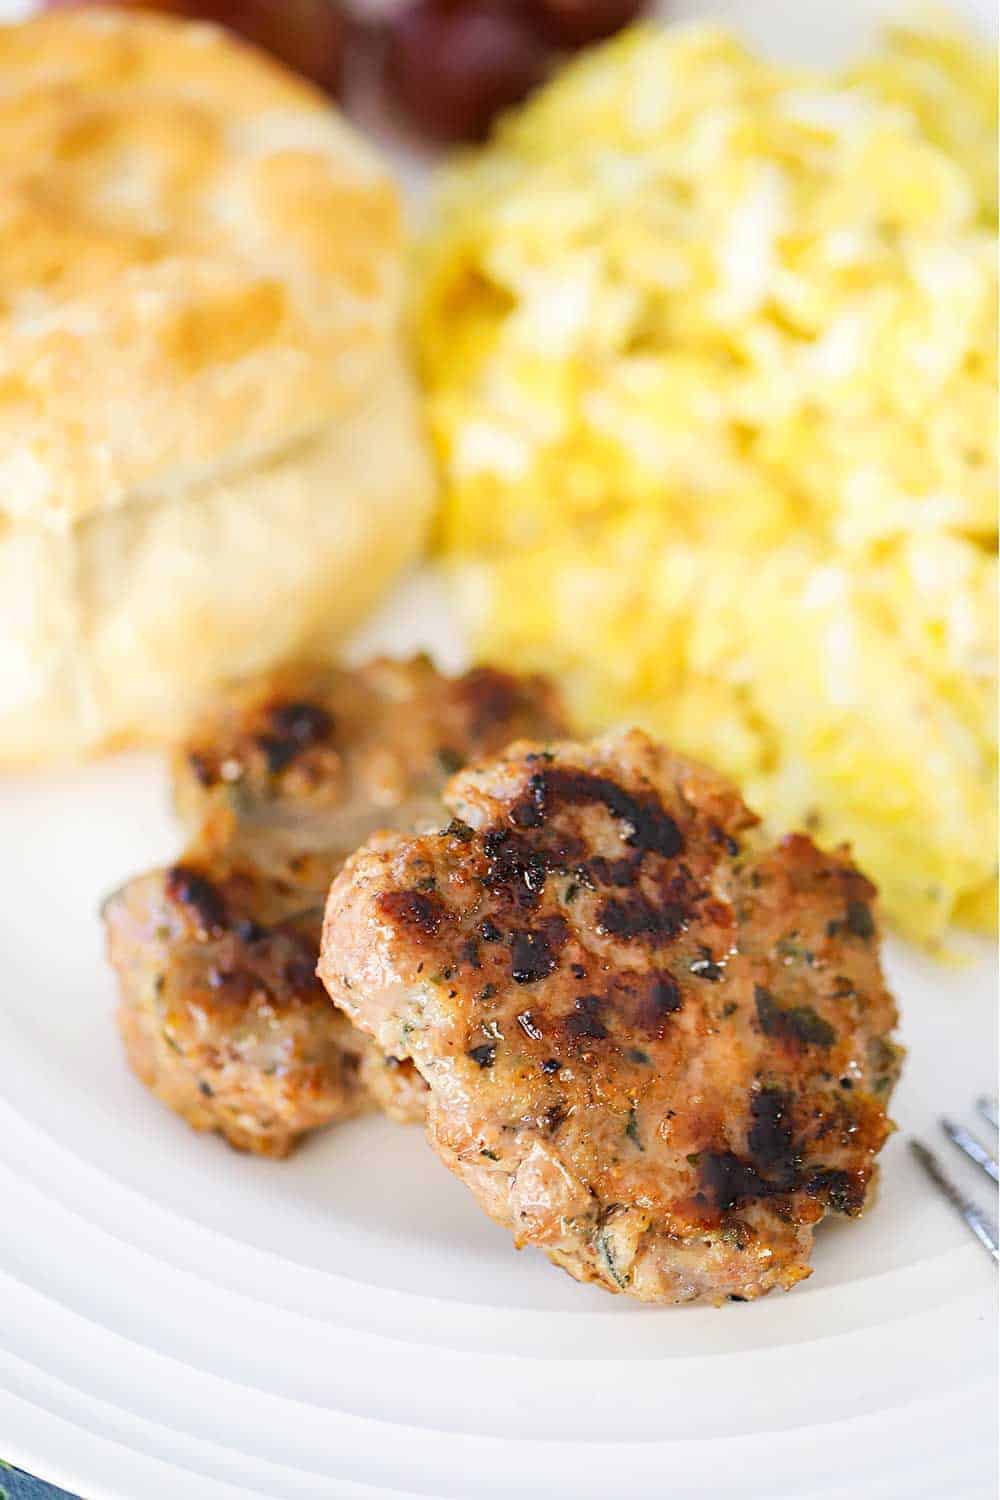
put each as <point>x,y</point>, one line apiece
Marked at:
<point>987,1107</point>
<point>973,1150</point>
<point>985,1232</point>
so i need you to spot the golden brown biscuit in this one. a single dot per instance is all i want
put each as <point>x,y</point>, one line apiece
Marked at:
<point>206,419</point>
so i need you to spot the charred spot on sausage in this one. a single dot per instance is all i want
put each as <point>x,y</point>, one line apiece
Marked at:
<point>196,892</point>
<point>535,954</point>
<point>423,911</point>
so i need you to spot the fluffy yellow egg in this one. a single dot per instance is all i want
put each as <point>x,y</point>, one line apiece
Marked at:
<point>709,347</point>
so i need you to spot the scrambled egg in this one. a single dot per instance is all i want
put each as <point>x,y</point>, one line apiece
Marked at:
<point>709,347</point>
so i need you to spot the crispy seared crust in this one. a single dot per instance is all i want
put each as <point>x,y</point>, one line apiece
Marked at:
<point>655,1047</point>
<point>221,1013</point>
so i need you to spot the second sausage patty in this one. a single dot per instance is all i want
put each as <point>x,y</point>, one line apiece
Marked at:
<point>221,1013</point>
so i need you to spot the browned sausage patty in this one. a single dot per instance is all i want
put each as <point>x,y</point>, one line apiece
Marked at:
<point>309,762</point>
<point>655,1045</point>
<point>221,1013</point>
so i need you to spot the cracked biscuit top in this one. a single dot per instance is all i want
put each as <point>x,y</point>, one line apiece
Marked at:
<point>200,261</point>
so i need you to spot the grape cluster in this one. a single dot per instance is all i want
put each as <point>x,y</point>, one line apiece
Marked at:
<point>449,66</point>
<point>452,65</point>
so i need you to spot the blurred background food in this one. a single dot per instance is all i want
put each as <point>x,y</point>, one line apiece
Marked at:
<point>709,346</point>
<point>452,68</point>
<point>213,456</point>
<point>307,35</point>
<point>709,351</point>
<point>447,67</point>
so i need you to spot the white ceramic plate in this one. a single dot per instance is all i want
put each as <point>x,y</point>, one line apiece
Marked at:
<point>179,1320</point>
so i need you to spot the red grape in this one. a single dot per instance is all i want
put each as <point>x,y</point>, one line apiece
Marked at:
<point>573,23</point>
<point>454,67</point>
<point>307,35</point>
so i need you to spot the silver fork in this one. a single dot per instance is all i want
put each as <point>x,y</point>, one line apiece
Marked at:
<point>982,1226</point>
